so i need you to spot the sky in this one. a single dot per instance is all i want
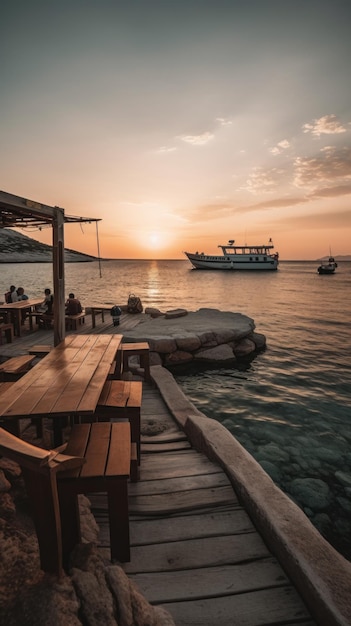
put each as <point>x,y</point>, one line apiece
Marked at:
<point>181,124</point>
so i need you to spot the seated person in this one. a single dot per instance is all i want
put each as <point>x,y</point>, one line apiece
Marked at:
<point>73,305</point>
<point>46,307</point>
<point>11,295</point>
<point>22,296</point>
<point>47,304</point>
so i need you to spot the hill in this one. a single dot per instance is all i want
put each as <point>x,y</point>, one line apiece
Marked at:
<point>340,257</point>
<point>18,248</point>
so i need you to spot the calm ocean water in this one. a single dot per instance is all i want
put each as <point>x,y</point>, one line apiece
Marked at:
<point>290,406</point>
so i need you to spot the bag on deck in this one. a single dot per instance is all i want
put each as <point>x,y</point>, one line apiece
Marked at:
<point>134,304</point>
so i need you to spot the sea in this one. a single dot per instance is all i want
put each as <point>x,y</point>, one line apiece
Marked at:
<point>289,406</point>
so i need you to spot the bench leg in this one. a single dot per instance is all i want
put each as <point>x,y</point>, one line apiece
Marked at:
<point>134,419</point>
<point>134,467</point>
<point>38,423</point>
<point>117,495</point>
<point>42,492</point>
<point>59,423</point>
<point>70,521</point>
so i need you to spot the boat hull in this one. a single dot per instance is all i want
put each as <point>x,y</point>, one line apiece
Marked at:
<point>326,270</point>
<point>232,262</point>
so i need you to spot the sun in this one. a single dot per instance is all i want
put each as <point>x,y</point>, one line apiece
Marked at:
<point>155,240</point>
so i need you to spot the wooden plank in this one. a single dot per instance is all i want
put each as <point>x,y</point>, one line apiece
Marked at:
<point>168,503</point>
<point>182,483</point>
<point>135,394</point>
<point>149,448</point>
<point>171,465</point>
<point>200,524</point>
<point>159,587</point>
<point>257,608</point>
<point>168,435</point>
<point>97,450</point>
<point>76,446</point>
<point>196,553</point>
<point>120,450</point>
<point>99,377</point>
<point>147,531</point>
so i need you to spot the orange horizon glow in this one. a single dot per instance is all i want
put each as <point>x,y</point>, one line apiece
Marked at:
<point>179,128</point>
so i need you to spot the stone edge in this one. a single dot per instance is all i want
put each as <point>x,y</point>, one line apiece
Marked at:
<point>319,572</point>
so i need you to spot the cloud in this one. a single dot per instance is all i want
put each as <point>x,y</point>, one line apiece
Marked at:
<point>280,147</point>
<point>332,192</point>
<point>262,181</point>
<point>224,121</point>
<point>197,140</point>
<point>326,125</point>
<point>219,210</point>
<point>317,221</point>
<point>329,165</point>
<point>164,150</point>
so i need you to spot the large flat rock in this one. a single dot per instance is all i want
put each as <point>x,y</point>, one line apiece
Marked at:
<point>232,326</point>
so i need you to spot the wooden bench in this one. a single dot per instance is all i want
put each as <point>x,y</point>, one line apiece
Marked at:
<point>72,321</point>
<point>41,319</point>
<point>121,399</point>
<point>13,368</point>
<point>127,350</point>
<point>96,459</point>
<point>8,331</point>
<point>40,350</point>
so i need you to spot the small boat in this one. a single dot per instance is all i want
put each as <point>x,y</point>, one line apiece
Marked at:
<point>237,257</point>
<point>328,268</point>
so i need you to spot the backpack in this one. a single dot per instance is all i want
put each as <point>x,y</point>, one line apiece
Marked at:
<point>134,304</point>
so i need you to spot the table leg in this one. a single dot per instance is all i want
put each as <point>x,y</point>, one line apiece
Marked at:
<point>93,318</point>
<point>102,315</point>
<point>17,321</point>
<point>30,319</point>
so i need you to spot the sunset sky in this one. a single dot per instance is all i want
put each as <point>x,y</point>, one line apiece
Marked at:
<point>181,124</point>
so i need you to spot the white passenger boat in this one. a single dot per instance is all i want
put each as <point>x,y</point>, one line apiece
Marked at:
<point>237,257</point>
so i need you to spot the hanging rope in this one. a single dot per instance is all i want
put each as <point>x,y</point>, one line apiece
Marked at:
<point>98,247</point>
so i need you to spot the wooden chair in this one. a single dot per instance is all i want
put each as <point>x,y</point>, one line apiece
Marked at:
<point>39,469</point>
<point>96,459</point>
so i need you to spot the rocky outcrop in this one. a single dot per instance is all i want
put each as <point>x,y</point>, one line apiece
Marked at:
<point>18,248</point>
<point>207,336</point>
<point>94,591</point>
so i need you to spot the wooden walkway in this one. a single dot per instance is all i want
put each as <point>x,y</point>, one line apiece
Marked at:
<point>194,549</point>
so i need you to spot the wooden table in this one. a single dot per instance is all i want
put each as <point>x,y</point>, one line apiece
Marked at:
<point>96,309</point>
<point>68,381</point>
<point>15,309</point>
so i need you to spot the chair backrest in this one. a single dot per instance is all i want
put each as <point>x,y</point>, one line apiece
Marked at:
<point>33,457</point>
<point>39,467</point>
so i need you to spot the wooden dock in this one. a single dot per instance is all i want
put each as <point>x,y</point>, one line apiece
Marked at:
<point>194,549</point>
<point>213,540</point>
